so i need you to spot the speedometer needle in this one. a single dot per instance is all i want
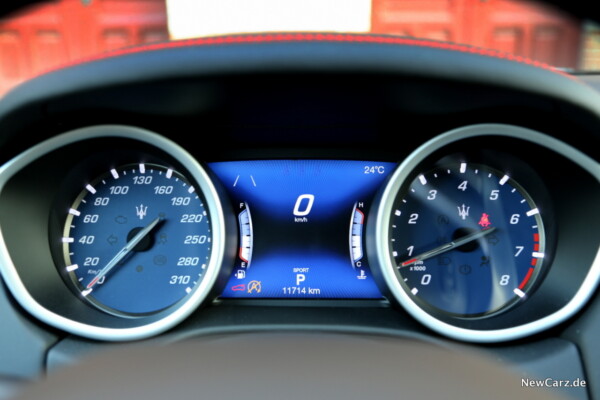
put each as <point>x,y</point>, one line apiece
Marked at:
<point>123,252</point>
<point>448,246</point>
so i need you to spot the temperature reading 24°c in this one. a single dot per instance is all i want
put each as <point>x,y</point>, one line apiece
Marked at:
<point>375,169</point>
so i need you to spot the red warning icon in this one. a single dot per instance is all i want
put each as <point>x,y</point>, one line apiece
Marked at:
<point>484,221</point>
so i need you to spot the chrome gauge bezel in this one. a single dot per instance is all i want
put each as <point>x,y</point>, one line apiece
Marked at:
<point>378,244</point>
<point>144,328</point>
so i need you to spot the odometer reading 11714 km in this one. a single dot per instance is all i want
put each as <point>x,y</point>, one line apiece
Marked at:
<point>137,240</point>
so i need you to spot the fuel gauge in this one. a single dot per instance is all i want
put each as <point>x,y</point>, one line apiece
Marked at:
<point>246,238</point>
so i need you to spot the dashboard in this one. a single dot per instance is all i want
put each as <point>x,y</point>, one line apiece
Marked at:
<point>342,186</point>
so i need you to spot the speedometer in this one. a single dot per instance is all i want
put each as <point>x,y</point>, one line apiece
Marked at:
<point>136,229</point>
<point>137,240</point>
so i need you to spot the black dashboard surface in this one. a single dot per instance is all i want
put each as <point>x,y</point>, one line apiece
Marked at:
<point>331,100</point>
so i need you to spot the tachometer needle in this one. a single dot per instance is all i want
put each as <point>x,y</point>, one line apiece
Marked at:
<point>123,252</point>
<point>448,246</point>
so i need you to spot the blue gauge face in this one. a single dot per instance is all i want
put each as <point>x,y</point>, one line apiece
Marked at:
<point>466,240</point>
<point>137,240</point>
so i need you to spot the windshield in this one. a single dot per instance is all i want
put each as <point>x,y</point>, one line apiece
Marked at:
<point>53,33</point>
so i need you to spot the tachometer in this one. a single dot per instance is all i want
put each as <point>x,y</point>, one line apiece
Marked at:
<point>137,239</point>
<point>466,239</point>
<point>464,235</point>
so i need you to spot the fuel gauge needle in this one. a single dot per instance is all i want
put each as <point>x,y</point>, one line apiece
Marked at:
<point>448,246</point>
<point>123,252</point>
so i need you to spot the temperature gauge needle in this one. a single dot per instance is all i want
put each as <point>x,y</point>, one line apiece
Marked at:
<point>123,252</point>
<point>448,246</point>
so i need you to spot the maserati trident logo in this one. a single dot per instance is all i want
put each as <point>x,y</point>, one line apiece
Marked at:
<point>463,211</point>
<point>141,211</point>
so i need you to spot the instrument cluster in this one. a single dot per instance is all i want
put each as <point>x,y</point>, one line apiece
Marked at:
<point>124,233</point>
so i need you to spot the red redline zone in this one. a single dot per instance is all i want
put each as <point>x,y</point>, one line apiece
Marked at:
<point>536,247</point>
<point>527,277</point>
<point>314,37</point>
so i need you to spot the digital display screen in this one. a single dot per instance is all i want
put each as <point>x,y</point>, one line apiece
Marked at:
<point>301,227</point>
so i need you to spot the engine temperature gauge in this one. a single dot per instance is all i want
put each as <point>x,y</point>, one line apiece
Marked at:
<point>356,235</point>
